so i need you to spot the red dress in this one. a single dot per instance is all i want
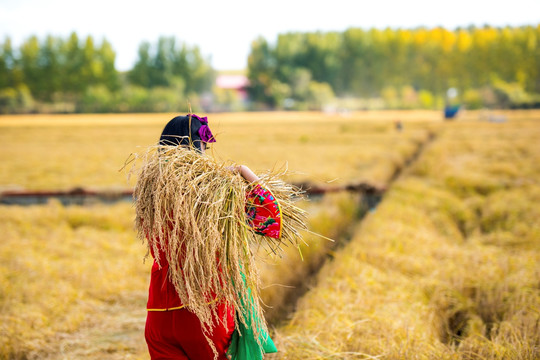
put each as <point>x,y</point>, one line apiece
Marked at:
<point>172,331</point>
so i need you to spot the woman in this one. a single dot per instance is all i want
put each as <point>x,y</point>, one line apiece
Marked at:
<point>172,331</point>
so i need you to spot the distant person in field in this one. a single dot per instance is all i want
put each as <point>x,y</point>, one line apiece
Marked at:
<point>176,326</point>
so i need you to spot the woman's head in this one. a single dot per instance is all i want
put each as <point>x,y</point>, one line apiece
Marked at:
<point>189,130</point>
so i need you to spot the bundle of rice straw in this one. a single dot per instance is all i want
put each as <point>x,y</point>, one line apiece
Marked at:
<point>193,209</point>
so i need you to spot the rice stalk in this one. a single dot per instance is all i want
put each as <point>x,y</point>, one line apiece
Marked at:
<point>190,211</point>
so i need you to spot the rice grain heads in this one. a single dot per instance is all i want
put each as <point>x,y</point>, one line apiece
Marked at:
<point>190,211</point>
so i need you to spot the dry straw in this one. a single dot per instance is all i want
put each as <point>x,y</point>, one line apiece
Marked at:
<point>191,211</point>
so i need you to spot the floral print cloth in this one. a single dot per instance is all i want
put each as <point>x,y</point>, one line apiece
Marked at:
<point>263,212</point>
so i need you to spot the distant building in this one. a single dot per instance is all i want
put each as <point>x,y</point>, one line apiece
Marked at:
<point>238,83</point>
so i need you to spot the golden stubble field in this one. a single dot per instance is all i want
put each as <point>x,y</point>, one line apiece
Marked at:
<point>445,267</point>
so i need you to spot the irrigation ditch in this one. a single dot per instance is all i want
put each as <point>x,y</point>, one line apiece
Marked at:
<point>84,196</point>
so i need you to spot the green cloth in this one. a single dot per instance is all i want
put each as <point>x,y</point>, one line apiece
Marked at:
<point>243,345</point>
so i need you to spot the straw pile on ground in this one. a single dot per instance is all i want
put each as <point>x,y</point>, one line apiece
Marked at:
<point>191,210</point>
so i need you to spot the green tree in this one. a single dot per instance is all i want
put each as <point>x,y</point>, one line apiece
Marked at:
<point>30,65</point>
<point>73,80</point>
<point>103,68</point>
<point>141,72</point>
<point>167,64</point>
<point>8,65</point>
<point>261,72</point>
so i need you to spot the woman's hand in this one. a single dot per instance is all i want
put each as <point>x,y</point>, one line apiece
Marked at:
<point>245,172</point>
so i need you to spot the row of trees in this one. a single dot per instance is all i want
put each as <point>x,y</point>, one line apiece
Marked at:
<point>73,74</point>
<point>360,68</point>
<point>486,65</point>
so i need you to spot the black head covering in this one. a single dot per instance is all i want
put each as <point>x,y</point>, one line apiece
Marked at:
<point>179,131</point>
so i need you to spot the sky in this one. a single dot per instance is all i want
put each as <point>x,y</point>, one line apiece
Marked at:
<point>224,29</point>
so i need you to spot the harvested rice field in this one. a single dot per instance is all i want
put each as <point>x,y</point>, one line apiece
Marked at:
<point>447,267</point>
<point>66,151</point>
<point>444,267</point>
